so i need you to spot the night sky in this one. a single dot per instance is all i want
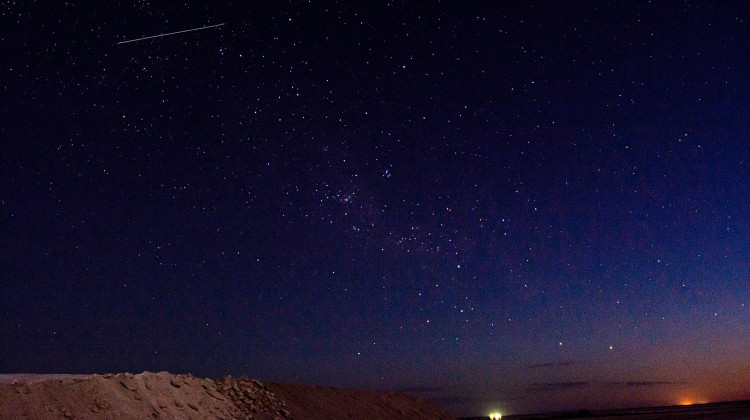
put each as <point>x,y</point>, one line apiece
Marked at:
<point>522,206</point>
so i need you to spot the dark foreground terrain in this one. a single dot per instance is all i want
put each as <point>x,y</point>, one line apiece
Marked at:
<point>727,410</point>
<point>166,396</point>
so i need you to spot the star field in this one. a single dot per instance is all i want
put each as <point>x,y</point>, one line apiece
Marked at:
<point>494,206</point>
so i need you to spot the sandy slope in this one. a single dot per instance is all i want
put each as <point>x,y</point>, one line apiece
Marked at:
<point>317,402</point>
<point>166,396</point>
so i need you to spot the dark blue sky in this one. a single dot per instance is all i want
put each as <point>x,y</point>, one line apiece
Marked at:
<point>523,206</point>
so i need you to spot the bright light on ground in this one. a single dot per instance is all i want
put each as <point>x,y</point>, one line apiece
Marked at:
<point>495,416</point>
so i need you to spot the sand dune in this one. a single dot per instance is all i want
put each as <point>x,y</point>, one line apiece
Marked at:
<point>167,396</point>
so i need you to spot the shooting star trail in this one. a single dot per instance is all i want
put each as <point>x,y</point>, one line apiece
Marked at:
<point>170,33</point>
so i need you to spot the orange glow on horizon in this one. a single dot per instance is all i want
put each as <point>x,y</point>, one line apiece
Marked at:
<point>691,401</point>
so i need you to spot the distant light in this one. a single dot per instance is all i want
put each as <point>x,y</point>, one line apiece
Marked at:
<point>495,416</point>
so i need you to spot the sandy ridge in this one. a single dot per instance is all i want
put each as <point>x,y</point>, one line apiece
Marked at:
<point>167,396</point>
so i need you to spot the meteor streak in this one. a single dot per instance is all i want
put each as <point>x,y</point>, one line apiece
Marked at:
<point>170,33</point>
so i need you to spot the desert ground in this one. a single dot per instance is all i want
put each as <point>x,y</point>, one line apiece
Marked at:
<point>168,396</point>
<point>738,410</point>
